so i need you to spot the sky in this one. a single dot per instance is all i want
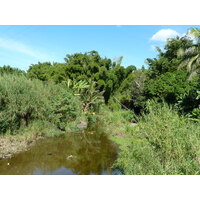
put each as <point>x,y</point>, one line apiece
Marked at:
<point>21,46</point>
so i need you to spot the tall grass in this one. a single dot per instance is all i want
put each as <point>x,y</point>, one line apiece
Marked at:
<point>162,143</point>
<point>114,123</point>
<point>23,101</point>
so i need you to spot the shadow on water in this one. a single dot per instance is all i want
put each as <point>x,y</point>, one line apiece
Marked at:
<point>66,154</point>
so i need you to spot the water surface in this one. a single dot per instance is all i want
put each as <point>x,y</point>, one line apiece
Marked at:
<point>80,153</point>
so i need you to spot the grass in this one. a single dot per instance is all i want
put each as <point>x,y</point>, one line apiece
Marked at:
<point>115,123</point>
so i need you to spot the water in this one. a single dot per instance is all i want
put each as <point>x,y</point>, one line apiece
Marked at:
<point>67,154</point>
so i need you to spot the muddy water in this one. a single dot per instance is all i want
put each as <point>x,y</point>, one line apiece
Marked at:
<point>66,154</point>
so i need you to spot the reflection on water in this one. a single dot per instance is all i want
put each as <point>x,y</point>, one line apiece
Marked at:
<point>67,154</point>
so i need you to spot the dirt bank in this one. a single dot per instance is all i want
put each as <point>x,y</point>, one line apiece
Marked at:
<point>10,145</point>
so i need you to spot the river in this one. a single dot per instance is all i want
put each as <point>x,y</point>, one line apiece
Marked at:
<point>87,153</point>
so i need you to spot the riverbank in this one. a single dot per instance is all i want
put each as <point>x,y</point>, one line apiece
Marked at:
<point>117,125</point>
<point>106,122</point>
<point>10,145</point>
<point>25,137</point>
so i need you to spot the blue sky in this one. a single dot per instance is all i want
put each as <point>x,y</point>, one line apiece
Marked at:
<point>21,46</point>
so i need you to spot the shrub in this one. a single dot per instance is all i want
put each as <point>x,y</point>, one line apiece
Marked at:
<point>169,86</point>
<point>195,114</point>
<point>23,100</point>
<point>162,143</point>
<point>64,108</point>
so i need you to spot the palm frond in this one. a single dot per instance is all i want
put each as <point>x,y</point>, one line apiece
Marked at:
<point>184,64</point>
<point>191,51</point>
<point>191,66</point>
<point>198,60</point>
<point>191,56</point>
<point>180,53</point>
<point>194,32</point>
<point>192,75</point>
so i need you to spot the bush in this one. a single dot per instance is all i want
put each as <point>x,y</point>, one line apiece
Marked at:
<point>188,104</point>
<point>64,108</point>
<point>10,70</point>
<point>23,100</point>
<point>162,143</point>
<point>169,86</point>
<point>195,114</point>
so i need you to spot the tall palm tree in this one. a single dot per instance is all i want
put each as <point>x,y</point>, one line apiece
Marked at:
<point>191,55</point>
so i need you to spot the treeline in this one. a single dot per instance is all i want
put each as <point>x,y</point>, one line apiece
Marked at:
<point>170,76</point>
<point>106,74</point>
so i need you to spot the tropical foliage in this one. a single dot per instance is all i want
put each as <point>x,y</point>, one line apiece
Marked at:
<point>191,55</point>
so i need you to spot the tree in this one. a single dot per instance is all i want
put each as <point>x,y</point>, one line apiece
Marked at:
<point>167,60</point>
<point>130,93</point>
<point>40,71</point>
<point>191,55</point>
<point>10,70</point>
<point>169,87</point>
<point>84,66</point>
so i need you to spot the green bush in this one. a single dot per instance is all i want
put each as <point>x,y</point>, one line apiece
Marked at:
<point>64,108</point>
<point>23,100</point>
<point>195,113</point>
<point>169,86</point>
<point>10,70</point>
<point>162,143</point>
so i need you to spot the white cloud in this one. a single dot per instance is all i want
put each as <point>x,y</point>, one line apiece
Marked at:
<point>163,34</point>
<point>19,47</point>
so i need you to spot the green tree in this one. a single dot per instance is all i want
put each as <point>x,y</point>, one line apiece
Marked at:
<point>191,55</point>
<point>167,60</point>
<point>40,71</point>
<point>169,86</point>
<point>130,93</point>
<point>84,66</point>
<point>10,70</point>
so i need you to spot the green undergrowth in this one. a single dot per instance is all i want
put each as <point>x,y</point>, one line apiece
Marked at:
<point>115,123</point>
<point>24,102</point>
<point>123,142</point>
<point>161,143</point>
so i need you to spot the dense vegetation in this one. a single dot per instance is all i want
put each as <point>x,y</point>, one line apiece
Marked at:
<point>162,143</point>
<point>163,100</point>
<point>23,101</point>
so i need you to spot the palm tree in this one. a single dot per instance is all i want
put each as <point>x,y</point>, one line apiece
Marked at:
<point>191,55</point>
<point>92,96</point>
